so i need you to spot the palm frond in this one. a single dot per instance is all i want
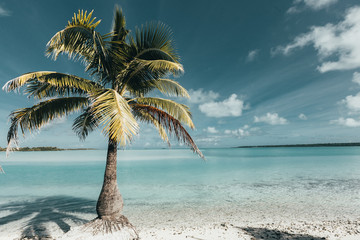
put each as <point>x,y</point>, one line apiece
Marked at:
<point>118,54</point>
<point>179,111</point>
<point>113,111</point>
<point>154,35</point>
<point>138,77</point>
<point>33,118</point>
<point>85,123</point>
<point>134,78</point>
<point>148,118</point>
<point>99,64</point>
<point>77,39</point>
<point>119,24</point>
<point>12,136</point>
<point>41,90</point>
<point>48,84</point>
<point>154,54</point>
<point>83,19</point>
<point>170,87</point>
<point>163,65</point>
<point>170,123</point>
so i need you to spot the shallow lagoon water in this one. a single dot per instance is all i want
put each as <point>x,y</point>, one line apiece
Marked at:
<point>169,178</point>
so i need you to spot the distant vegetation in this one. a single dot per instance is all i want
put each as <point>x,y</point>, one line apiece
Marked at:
<point>33,149</point>
<point>306,145</point>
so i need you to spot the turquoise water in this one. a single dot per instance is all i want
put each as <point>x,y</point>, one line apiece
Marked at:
<point>177,177</point>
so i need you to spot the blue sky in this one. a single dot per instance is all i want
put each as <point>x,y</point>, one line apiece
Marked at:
<point>259,72</point>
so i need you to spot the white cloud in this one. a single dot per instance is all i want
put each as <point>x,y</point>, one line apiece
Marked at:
<point>238,133</point>
<point>208,140</point>
<point>293,9</point>
<point>231,107</point>
<point>318,4</point>
<point>201,96</point>
<point>356,77</point>
<point>246,126</point>
<point>244,131</point>
<point>211,130</point>
<point>54,122</point>
<point>4,12</point>
<point>332,40</point>
<point>348,122</point>
<point>252,55</point>
<point>352,102</point>
<point>313,4</point>
<point>302,116</point>
<point>271,118</point>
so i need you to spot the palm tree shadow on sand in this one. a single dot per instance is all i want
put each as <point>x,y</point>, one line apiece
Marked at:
<point>270,234</point>
<point>42,211</point>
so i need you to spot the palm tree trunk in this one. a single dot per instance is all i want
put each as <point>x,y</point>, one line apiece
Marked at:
<point>110,203</point>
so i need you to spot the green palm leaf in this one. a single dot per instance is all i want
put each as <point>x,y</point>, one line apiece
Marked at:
<point>153,35</point>
<point>47,84</point>
<point>85,123</point>
<point>83,19</point>
<point>170,87</point>
<point>77,39</point>
<point>113,111</point>
<point>119,24</point>
<point>179,111</point>
<point>155,54</point>
<point>163,65</point>
<point>171,124</point>
<point>138,77</point>
<point>41,90</point>
<point>33,118</point>
<point>148,118</point>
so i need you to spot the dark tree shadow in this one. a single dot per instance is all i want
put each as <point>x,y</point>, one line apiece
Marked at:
<point>269,234</point>
<point>56,209</point>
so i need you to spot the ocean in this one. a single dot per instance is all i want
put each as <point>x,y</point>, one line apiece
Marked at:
<point>171,176</point>
<point>168,180</point>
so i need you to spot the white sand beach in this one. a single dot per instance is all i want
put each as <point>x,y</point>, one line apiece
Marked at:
<point>256,221</point>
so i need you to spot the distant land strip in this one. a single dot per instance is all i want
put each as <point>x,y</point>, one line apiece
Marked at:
<point>305,145</point>
<point>35,149</point>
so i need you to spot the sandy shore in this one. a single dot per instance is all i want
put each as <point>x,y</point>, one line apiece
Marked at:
<point>231,221</point>
<point>260,223</point>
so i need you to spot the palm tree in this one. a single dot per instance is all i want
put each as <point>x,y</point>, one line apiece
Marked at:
<point>123,69</point>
